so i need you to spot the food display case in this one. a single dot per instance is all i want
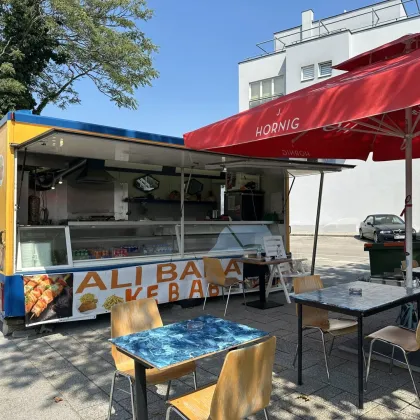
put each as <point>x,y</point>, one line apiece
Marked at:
<point>112,242</point>
<point>228,237</point>
<point>43,246</point>
<point>116,240</point>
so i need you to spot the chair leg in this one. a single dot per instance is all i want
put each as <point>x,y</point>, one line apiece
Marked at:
<point>391,362</point>
<point>325,354</point>
<point>369,360</point>
<point>223,293</point>
<point>411,373</point>
<point>266,414</point>
<point>205,297</point>
<point>168,390</point>
<point>133,410</point>
<point>332,345</point>
<point>195,380</point>
<point>168,412</point>
<point>227,301</point>
<point>111,394</point>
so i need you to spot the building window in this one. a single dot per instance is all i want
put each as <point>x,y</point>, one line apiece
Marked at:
<point>325,69</point>
<point>265,90</point>
<point>307,72</point>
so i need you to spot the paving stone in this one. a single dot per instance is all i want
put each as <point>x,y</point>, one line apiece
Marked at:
<point>412,410</point>
<point>203,378</point>
<point>348,403</point>
<point>382,412</point>
<point>392,399</point>
<point>328,392</point>
<point>100,412</point>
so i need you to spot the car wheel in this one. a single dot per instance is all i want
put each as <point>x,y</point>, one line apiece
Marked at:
<point>360,234</point>
<point>375,238</point>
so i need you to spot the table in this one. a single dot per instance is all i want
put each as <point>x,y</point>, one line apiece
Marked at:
<point>375,298</point>
<point>263,303</point>
<point>178,343</point>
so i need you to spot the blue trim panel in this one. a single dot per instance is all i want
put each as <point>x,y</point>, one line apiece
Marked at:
<point>24,117</point>
<point>14,300</point>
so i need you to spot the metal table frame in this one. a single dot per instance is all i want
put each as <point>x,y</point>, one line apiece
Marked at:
<point>360,315</point>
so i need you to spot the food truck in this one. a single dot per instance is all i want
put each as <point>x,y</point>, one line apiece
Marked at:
<point>91,216</point>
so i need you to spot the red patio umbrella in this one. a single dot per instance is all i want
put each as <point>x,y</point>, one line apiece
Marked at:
<point>374,108</point>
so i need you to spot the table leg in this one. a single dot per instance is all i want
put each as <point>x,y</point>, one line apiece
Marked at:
<point>141,392</point>
<point>299,344</point>
<point>360,359</point>
<point>262,302</point>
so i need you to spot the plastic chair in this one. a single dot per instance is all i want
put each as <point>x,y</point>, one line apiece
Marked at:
<point>314,318</point>
<point>406,340</point>
<point>135,316</point>
<point>243,388</point>
<point>216,275</point>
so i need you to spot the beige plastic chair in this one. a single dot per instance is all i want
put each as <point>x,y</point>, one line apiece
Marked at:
<point>404,267</point>
<point>404,339</point>
<point>314,318</point>
<point>243,388</point>
<point>135,316</point>
<point>215,274</point>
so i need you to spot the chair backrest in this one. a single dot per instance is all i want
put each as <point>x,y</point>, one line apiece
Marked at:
<point>273,246</point>
<point>311,317</point>
<point>404,264</point>
<point>214,271</point>
<point>245,382</point>
<point>131,317</point>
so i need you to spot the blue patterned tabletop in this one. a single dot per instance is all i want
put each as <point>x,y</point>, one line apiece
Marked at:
<point>373,296</point>
<point>186,340</point>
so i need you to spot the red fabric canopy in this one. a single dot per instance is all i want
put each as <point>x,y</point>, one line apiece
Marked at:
<point>344,117</point>
<point>387,51</point>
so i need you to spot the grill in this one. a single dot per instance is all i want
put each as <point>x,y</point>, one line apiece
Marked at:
<point>399,232</point>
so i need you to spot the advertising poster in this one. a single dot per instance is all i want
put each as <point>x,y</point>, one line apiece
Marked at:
<point>48,298</point>
<point>95,292</point>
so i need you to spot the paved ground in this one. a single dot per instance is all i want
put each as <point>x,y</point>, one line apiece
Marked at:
<point>74,363</point>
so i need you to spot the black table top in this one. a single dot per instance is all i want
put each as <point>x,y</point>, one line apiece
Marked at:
<point>375,298</point>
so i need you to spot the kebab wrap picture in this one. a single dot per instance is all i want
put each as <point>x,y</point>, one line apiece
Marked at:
<point>88,302</point>
<point>48,297</point>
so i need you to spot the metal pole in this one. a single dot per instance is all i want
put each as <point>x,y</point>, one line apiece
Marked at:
<point>408,198</point>
<point>318,213</point>
<point>182,213</point>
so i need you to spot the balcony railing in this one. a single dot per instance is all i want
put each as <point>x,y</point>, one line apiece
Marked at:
<point>328,26</point>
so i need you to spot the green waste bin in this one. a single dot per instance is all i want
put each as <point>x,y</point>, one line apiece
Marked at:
<point>386,257</point>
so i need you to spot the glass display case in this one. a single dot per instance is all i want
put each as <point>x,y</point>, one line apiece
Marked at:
<point>110,240</point>
<point>80,242</point>
<point>227,237</point>
<point>43,247</point>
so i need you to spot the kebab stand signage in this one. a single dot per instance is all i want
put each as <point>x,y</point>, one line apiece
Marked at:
<point>71,296</point>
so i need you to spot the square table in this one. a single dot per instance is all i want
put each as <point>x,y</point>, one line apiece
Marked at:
<point>178,343</point>
<point>263,303</point>
<point>375,298</point>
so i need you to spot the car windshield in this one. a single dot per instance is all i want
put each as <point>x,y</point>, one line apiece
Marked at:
<point>387,219</point>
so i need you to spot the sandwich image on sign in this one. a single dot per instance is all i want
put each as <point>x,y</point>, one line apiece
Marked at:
<point>88,302</point>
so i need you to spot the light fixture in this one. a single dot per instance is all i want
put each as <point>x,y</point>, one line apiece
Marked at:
<point>60,181</point>
<point>53,187</point>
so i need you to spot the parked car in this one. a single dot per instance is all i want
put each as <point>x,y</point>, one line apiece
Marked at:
<point>383,227</point>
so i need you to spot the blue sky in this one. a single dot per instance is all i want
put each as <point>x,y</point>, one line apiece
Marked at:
<point>201,43</point>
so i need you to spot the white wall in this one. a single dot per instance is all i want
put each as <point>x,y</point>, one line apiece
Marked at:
<point>253,70</point>
<point>349,196</point>
<point>335,47</point>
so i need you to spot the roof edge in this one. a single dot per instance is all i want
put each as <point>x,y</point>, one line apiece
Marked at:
<point>53,122</point>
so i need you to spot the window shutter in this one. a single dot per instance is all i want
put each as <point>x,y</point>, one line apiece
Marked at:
<point>325,69</point>
<point>308,72</point>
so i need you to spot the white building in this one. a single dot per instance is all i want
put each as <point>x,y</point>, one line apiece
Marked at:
<point>298,57</point>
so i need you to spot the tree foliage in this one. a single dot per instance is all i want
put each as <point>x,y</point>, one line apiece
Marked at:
<point>26,48</point>
<point>95,39</point>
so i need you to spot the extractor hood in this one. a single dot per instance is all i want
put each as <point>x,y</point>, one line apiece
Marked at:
<point>94,173</point>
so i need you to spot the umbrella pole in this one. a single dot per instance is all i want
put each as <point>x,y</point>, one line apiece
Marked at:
<point>408,198</point>
<point>318,213</point>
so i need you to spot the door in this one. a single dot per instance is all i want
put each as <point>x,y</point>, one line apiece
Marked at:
<point>368,229</point>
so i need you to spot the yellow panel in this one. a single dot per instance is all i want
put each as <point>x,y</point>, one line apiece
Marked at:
<point>3,180</point>
<point>21,132</point>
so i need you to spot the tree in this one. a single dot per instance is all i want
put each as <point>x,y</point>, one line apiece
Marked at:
<point>71,40</point>
<point>99,40</point>
<point>26,47</point>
